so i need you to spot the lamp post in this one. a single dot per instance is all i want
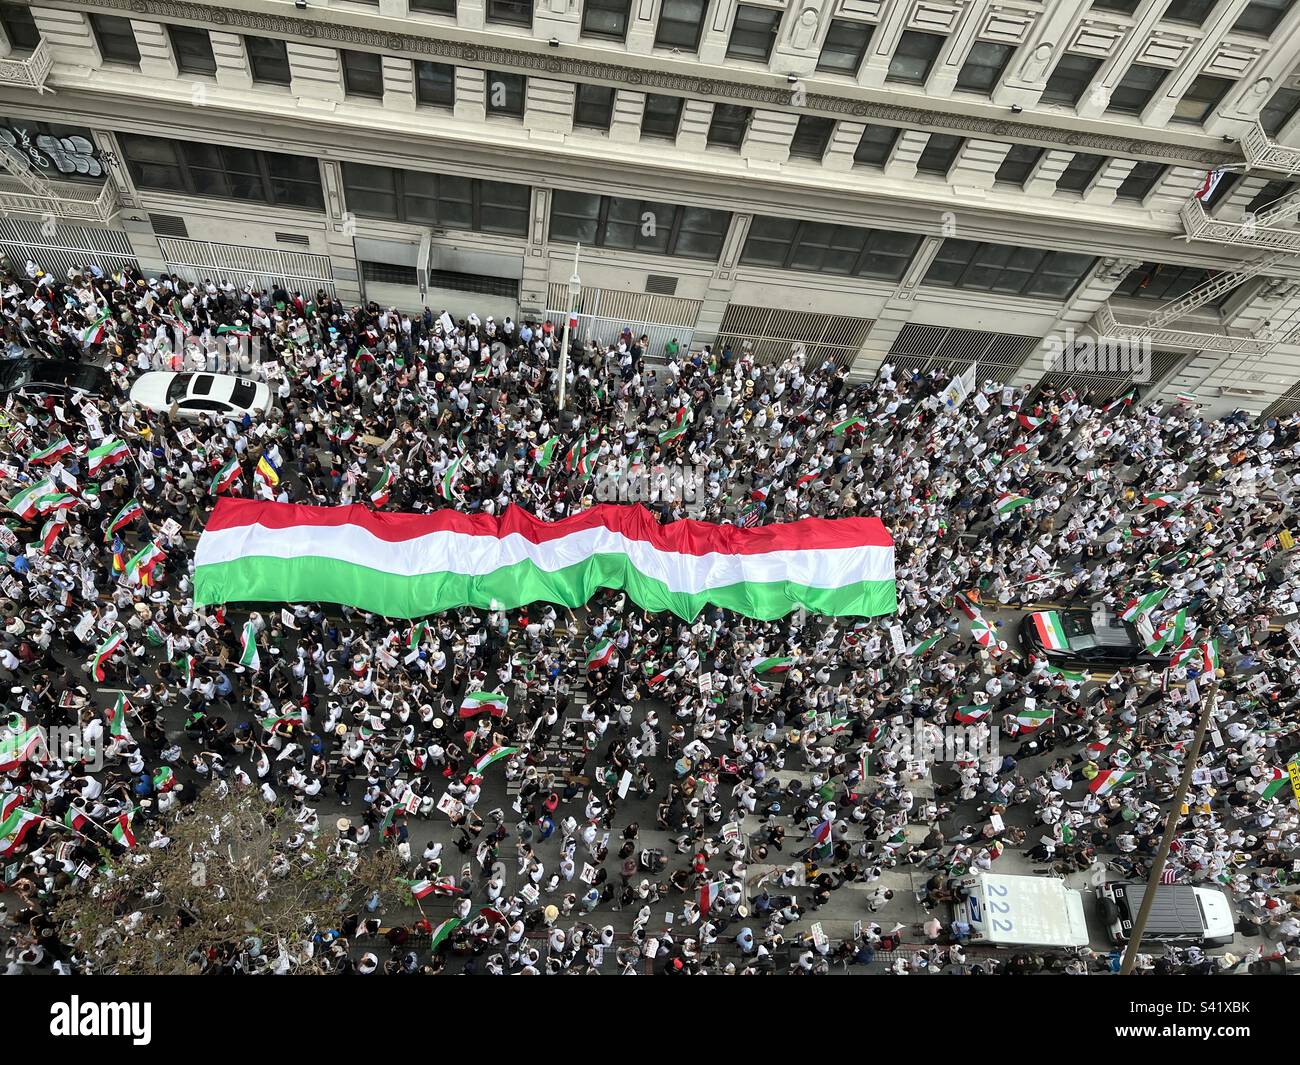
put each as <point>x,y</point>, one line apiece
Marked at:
<point>575,290</point>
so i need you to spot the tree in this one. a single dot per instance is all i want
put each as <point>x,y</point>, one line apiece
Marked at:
<point>232,879</point>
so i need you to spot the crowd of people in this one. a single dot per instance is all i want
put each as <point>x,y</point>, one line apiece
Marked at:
<point>704,796</point>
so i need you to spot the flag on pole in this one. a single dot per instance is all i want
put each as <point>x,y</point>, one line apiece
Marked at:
<point>51,452</point>
<point>1108,780</point>
<point>415,636</point>
<point>95,332</point>
<point>600,654</point>
<point>1163,499</point>
<point>677,424</point>
<point>1071,675</point>
<point>226,476</point>
<point>1211,182</point>
<point>27,745</point>
<point>379,491</point>
<point>849,425</point>
<point>50,532</point>
<point>122,829</point>
<point>1137,607</point>
<point>476,702</point>
<point>24,504</point>
<point>132,511</point>
<point>109,453</point>
<point>496,754</point>
<point>927,643</point>
<point>544,456</point>
<point>267,471</point>
<point>15,822</point>
<point>248,656</point>
<point>971,715</point>
<point>771,664</point>
<point>104,652</point>
<point>1169,631</point>
<point>1030,720</point>
<point>115,718</point>
<point>1009,501</point>
<point>140,568</point>
<point>447,484</point>
<point>443,932</point>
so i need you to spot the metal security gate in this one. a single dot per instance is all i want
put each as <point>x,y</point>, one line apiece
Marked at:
<point>66,247</point>
<point>932,347</point>
<point>198,260</point>
<point>771,335</point>
<point>1107,384</point>
<point>604,313</point>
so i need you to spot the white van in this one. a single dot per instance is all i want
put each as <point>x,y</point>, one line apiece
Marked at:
<point>1182,914</point>
<point>1026,911</point>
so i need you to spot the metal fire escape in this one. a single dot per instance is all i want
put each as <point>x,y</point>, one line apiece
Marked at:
<point>1268,231</point>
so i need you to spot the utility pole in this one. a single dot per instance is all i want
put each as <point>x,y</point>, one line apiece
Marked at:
<point>575,290</point>
<point>1208,705</point>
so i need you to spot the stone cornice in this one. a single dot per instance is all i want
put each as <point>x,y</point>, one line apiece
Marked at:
<point>328,31</point>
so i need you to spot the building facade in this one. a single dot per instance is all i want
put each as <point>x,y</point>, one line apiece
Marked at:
<point>1083,192</point>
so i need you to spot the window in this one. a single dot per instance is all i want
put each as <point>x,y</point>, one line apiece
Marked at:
<point>1018,164</point>
<point>661,116</point>
<point>1140,181</point>
<point>876,144</point>
<point>505,93</point>
<point>1201,97</point>
<point>1127,7</point>
<point>914,56</point>
<point>822,247</point>
<point>363,74</point>
<point>1280,109</point>
<point>984,66</point>
<point>939,154</point>
<point>1079,172</point>
<point>753,32</point>
<point>193,50</point>
<point>637,225</point>
<point>1193,11</point>
<point>1262,16</point>
<point>517,12</point>
<point>1136,89</point>
<point>435,83</point>
<point>1161,283</point>
<point>20,27</point>
<point>1005,269</point>
<point>727,129</point>
<point>1070,79</point>
<point>593,106</point>
<point>845,45</point>
<point>116,39</point>
<point>680,24</point>
<point>67,153</point>
<point>1267,197</point>
<point>216,170</point>
<point>436,199</point>
<point>435,7</point>
<point>811,137</point>
<point>268,59</point>
<point>388,273</point>
<point>605,18</point>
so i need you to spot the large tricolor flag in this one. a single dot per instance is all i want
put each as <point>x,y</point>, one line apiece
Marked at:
<point>25,746</point>
<point>412,565</point>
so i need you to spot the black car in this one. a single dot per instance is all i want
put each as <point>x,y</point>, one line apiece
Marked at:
<point>1079,636</point>
<point>56,377</point>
